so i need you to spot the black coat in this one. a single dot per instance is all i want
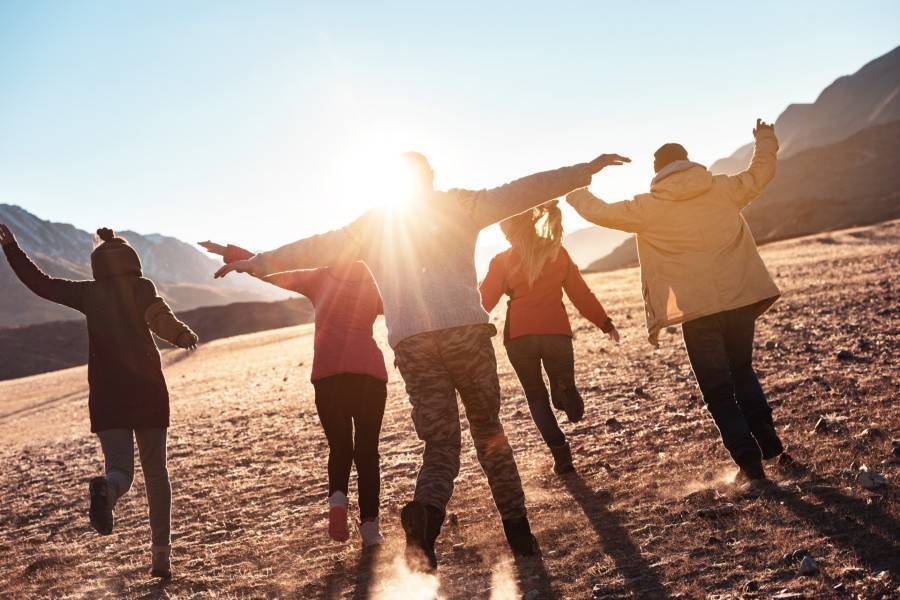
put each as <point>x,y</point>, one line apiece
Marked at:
<point>127,386</point>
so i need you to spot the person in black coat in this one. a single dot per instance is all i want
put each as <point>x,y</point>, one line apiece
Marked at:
<point>128,394</point>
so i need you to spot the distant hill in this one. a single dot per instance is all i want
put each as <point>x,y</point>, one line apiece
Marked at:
<point>182,273</point>
<point>869,97</point>
<point>588,244</point>
<point>853,182</point>
<point>63,344</point>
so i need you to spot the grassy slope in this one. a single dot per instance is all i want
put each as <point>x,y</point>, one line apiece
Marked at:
<point>247,462</point>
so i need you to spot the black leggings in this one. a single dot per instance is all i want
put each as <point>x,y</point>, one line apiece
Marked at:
<point>351,407</point>
<point>528,353</point>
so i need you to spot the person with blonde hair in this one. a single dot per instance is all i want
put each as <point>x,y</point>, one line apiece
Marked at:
<point>423,259</point>
<point>533,272</point>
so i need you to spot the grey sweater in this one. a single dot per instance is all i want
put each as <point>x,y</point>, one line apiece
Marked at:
<point>423,257</point>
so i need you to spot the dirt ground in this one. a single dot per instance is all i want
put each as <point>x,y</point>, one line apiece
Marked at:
<point>652,512</point>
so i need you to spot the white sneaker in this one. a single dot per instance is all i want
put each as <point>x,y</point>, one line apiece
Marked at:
<point>368,531</point>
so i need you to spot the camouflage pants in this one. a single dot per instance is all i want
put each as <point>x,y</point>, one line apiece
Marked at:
<point>435,366</point>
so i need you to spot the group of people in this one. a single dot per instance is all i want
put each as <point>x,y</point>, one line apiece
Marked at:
<point>699,268</point>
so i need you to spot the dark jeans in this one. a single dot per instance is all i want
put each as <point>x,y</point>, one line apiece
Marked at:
<point>720,348</point>
<point>528,354</point>
<point>351,407</point>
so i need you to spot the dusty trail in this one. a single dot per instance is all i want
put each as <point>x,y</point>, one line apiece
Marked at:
<point>652,512</point>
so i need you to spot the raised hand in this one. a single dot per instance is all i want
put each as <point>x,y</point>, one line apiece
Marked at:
<point>241,266</point>
<point>214,248</point>
<point>763,127</point>
<point>606,160</point>
<point>6,236</point>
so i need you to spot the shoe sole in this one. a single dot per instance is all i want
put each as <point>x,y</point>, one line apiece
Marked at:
<point>337,524</point>
<point>100,513</point>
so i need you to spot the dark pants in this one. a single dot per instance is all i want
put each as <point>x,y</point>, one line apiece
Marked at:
<point>350,408</point>
<point>528,354</point>
<point>720,348</point>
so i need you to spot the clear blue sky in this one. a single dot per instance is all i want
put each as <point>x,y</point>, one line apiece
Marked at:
<point>260,122</point>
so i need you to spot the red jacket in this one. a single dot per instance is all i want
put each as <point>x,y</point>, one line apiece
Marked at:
<point>539,310</point>
<point>347,303</point>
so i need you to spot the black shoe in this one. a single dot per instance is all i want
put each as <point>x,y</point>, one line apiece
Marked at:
<point>751,470</point>
<point>768,440</point>
<point>571,401</point>
<point>562,459</point>
<point>518,534</point>
<point>422,525</point>
<point>101,506</point>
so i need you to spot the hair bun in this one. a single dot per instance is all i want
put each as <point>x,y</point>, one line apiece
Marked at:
<point>106,234</point>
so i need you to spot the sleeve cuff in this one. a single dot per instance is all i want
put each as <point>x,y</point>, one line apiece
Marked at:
<point>607,326</point>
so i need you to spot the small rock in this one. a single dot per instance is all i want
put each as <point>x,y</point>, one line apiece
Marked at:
<point>870,432</point>
<point>796,556</point>
<point>871,480</point>
<point>751,586</point>
<point>639,391</point>
<point>713,541</point>
<point>613,423</point>
<point>845,355</point>
<point>808,566</point>
<point>821,425</point>
<point>717,511</point>
<point>452,519</point>
<point>770,345</point>
<point>671,330</point>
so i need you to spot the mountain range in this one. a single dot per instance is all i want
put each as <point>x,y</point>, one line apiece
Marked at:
<point>838,162</point>
<point>182,273</point>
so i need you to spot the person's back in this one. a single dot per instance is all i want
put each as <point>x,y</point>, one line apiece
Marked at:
<point>697,254</point>
<point>700,268</point>
<point>128,395</point>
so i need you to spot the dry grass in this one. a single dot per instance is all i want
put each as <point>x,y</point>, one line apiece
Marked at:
<point>247,461</point>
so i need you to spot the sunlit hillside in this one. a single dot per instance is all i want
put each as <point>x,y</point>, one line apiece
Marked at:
<point>652,512</point>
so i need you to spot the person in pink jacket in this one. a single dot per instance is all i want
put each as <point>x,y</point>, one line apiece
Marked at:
<point>349,378</point>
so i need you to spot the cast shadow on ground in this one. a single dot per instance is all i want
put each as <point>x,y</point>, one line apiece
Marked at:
<point>532,575</point>
<point>361,572</point>
<point>640,578</point>
<point>863,529</point>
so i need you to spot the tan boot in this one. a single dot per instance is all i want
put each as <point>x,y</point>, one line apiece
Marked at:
<point>161,566</point>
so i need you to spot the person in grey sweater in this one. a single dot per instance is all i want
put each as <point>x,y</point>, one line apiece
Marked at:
<point>422,258</point>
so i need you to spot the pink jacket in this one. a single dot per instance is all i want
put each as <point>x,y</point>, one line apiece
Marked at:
<point>347,303</point>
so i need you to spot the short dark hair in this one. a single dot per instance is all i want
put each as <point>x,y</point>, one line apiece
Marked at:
<point>669,153</point>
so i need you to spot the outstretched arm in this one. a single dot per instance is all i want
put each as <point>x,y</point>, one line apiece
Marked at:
<point>494,283</point>
<point>744,187</point>
<point>491,206</point>
<point>160,318</point>
<point>626,215</point>
<point>62,291</point>
<point>340,245</point>
<point>302,282</point>
<point>585,301</point>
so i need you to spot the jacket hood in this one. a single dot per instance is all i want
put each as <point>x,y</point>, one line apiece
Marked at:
<point>681,180</point>
<point>114,257</point>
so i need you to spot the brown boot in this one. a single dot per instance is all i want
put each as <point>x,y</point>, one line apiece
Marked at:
<point>562,459</point>
<point>160,566</point>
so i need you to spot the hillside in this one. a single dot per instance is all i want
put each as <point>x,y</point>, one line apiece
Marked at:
<point>63,344</point>
<point>182,273</point>
<point>869,97</point>
<point>651,514</point>
<point>590,243</point>
<point>854,182</point>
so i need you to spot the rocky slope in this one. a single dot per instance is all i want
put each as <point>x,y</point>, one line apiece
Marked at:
<point>853,182</point>
<point>183,273</point>
<point>652,513</point>
<point>869,97</point>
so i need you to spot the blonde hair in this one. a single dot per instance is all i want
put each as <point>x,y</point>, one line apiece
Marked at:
<point>536,236</point>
